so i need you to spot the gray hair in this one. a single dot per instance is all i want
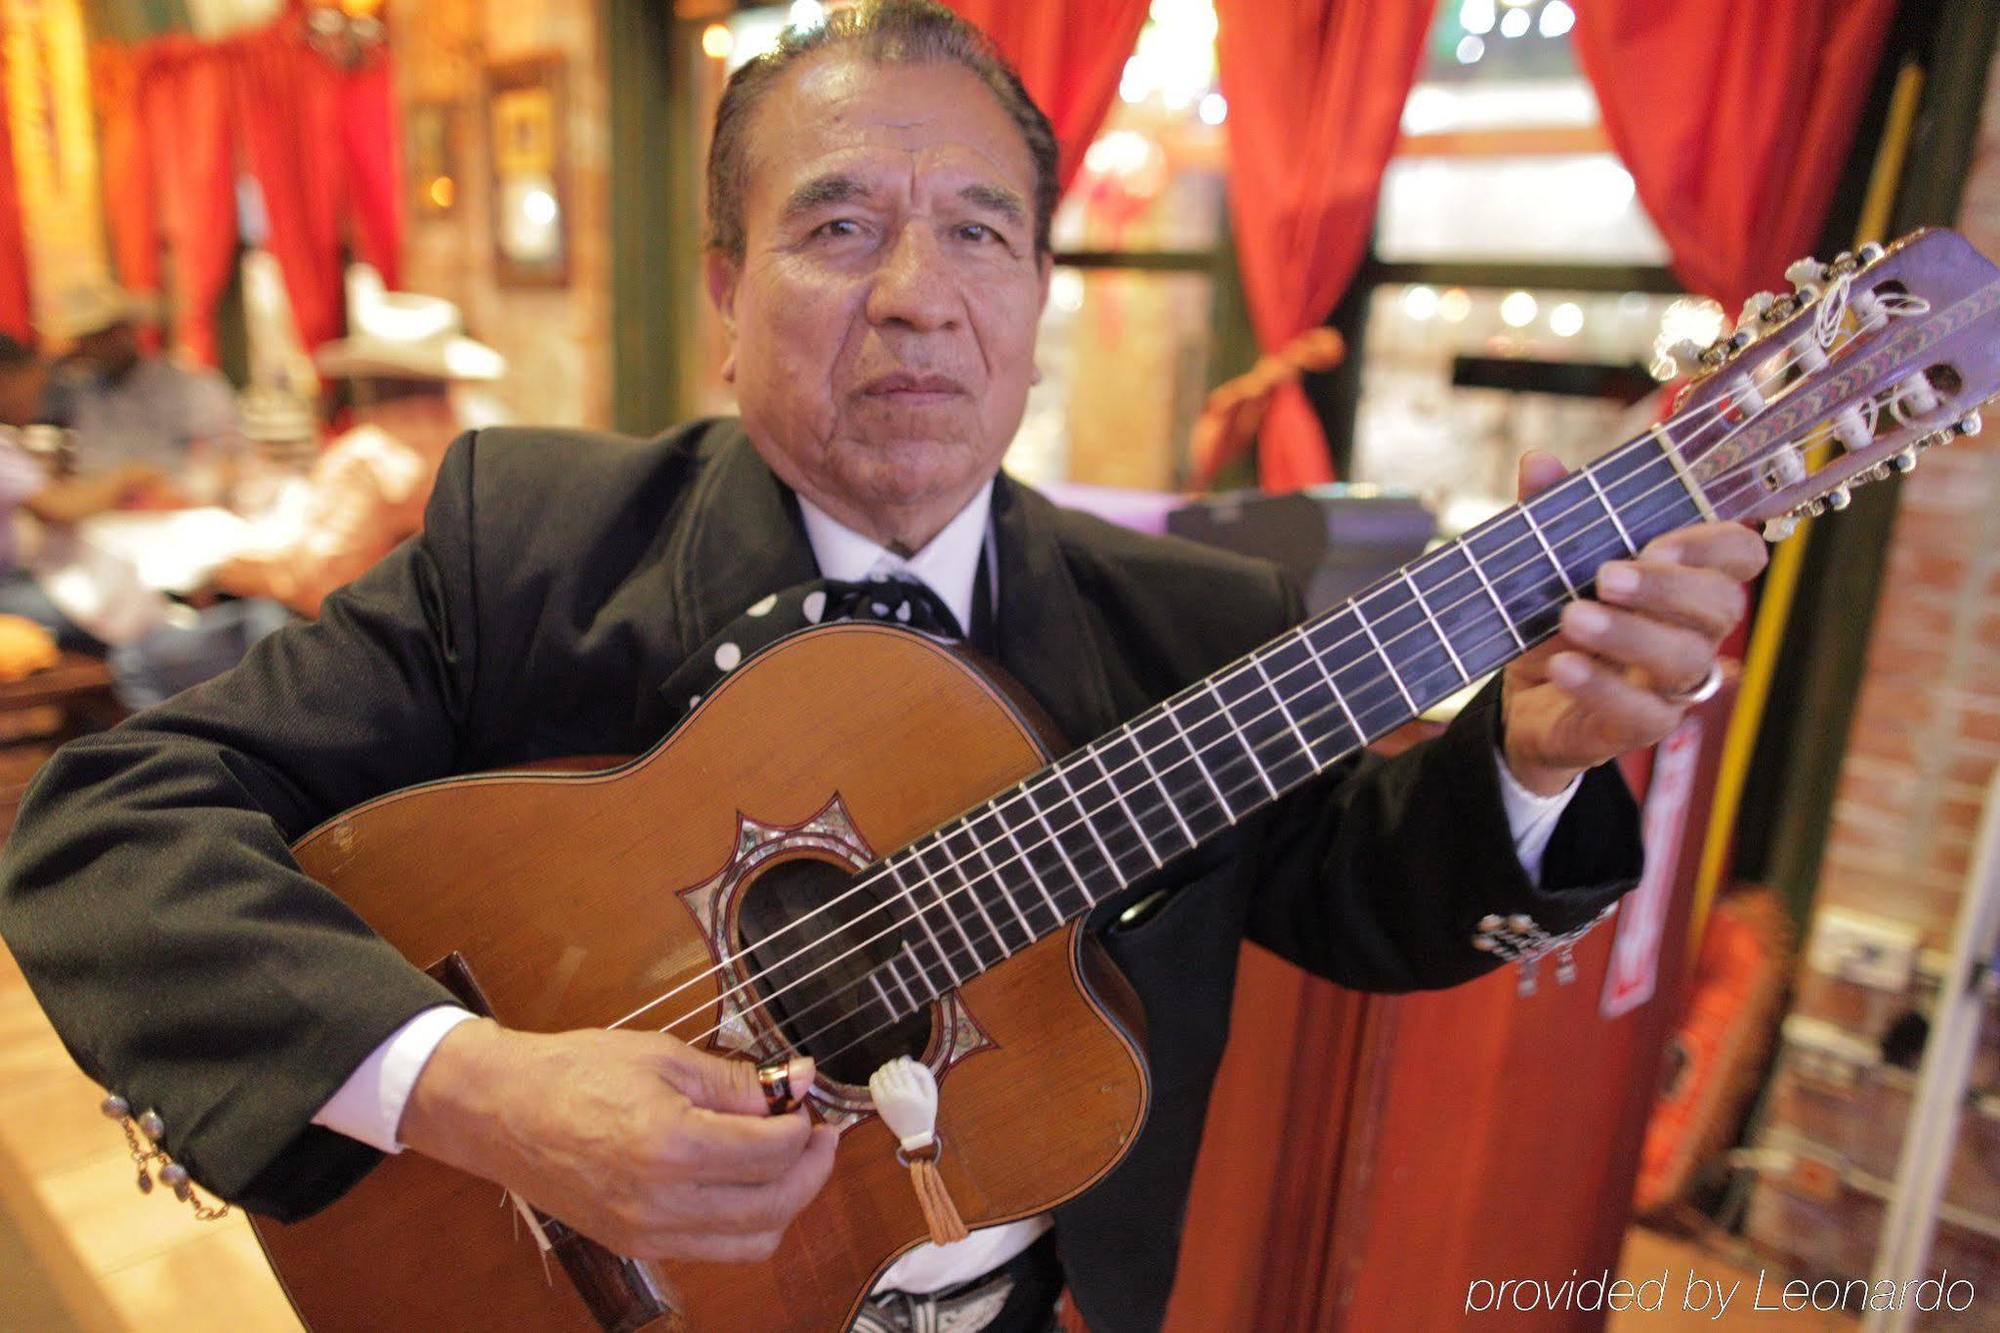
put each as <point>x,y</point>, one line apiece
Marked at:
<point>887,32</point>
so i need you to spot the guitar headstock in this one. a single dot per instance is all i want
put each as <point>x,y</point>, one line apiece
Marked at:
<point>1875,357</point>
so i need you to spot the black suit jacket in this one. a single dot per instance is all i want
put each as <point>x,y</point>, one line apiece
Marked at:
<point>149,896</point>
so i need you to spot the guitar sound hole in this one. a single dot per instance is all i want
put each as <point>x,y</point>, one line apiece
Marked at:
<point>825,984</point>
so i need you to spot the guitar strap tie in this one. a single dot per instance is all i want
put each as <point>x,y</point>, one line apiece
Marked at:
<point>905,1096</point>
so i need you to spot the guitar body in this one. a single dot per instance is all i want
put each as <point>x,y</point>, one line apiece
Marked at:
<point>574,899</point>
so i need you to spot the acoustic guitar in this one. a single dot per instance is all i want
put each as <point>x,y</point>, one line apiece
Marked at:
<point>898,882</point>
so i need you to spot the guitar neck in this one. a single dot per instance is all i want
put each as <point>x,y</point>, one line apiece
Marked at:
<point>1046,851</point>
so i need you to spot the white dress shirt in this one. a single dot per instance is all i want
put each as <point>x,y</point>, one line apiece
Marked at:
<point>369,1106</point>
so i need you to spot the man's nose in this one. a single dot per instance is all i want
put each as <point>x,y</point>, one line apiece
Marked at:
<point>914,287</point>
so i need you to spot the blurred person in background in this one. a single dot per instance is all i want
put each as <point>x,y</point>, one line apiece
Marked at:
<point>124,406</point>
<point>406,363</point>
<point>28,482</point>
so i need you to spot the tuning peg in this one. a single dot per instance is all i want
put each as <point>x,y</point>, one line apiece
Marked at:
<point>1779,528</point>
<point>1839,498</point>
<point>1906,460</point>
<point>1804,272</point>
<point>1970,423</point>
<point>1814,508</point>
<point>1871,251</point>
<point>1756,310</point>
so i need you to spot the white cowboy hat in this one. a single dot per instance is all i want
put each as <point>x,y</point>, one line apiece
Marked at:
<point>92,307</point>
<point>400,335</point>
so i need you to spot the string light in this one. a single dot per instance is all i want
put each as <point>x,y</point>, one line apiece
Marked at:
<point>1420,303</point>
<point>1470,48</point>
<point>1214,109</point>
<point>1566,320</point>
<point>1557,18</point>
<point>1454,305</point>
<point>1518,310</point>
<point>1514,23</point>
<point>717,41</point>
<point>1476,16</point>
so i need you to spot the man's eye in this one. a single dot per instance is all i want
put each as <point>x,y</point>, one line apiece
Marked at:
<point>838,227</point>
<point>978,231</point>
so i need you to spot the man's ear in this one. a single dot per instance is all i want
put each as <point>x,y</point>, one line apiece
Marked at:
<point>722,273</point>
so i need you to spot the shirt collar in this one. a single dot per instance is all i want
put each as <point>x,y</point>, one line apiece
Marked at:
<point>947,565</point>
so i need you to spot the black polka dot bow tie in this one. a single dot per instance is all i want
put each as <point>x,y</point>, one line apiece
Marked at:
<point>892,599</point>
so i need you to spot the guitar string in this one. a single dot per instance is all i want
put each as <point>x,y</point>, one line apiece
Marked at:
<point>1825,329</point>
<point>929,878</point>
<point>1788,360</point>
<point>1235,761</point>
<point>894,1017</point>
<point>1238,758</point>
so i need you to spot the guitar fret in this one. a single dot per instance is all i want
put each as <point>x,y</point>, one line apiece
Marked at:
<point>1361,618</point>
<point>1033,874</point>
<point>978,903</point>
<point>1436,628</point>
<point>918,913</point>
<point>888,1005</point>
<point>1229,726</point>
<point>979,844</point>
<point>1631,546</point>
<point>930,881</point>
<point>1694,490</point>
<point>1547,549</point>
<point>1326,674</point>
<point>1195,755</point>
<point>1285,709</point>
<point>1118,796</point>
<point>1013,905</point>
<point>1494,596</point>
<point>896,975</point>
<point>1166,797</point>
<point>1041,817</point>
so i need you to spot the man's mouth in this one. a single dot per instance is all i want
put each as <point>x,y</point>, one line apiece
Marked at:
<point>913,390</point>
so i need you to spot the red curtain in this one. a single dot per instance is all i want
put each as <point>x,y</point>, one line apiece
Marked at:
<point>287,121</point>
<point>1734,121</point>
<point>1316,91</point>
<point>16,317</point>
<point>324,144</point>
<point>125,162</point>
<point>1070,56</point>
<point>371,148</point>
<point>184,108</point>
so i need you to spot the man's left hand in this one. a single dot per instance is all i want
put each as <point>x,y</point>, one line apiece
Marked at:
<point>1607,682</point>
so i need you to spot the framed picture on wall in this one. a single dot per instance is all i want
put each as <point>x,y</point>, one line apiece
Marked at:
<point>526,111</point>
<point>431,134</point>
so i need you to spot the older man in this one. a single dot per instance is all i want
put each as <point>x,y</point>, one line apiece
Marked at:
<point>880,199</point>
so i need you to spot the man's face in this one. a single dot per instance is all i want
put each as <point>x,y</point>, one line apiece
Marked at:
<point>113,351</point>
<point>21,392</point>
<point>883,318</point>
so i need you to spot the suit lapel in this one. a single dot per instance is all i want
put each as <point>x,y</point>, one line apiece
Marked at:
<point>744,539</point>
<point>1046,632</point>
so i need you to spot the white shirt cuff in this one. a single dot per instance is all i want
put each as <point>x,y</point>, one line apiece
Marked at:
<point>369,1106</point>
<point>1532,818</point>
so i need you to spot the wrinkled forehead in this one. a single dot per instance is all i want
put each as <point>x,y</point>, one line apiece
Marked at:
<point>934,121</point>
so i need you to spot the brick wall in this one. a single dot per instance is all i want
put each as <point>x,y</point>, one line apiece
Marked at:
<point>557,340</point>
<point>1925,745</point>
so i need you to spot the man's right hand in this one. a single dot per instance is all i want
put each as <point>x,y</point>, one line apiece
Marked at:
<point>639,1141</point>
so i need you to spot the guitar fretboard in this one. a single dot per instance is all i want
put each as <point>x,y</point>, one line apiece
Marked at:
<point>1046,851</point>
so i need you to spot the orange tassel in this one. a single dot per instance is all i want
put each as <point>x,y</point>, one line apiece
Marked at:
<point>940,1213</point>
